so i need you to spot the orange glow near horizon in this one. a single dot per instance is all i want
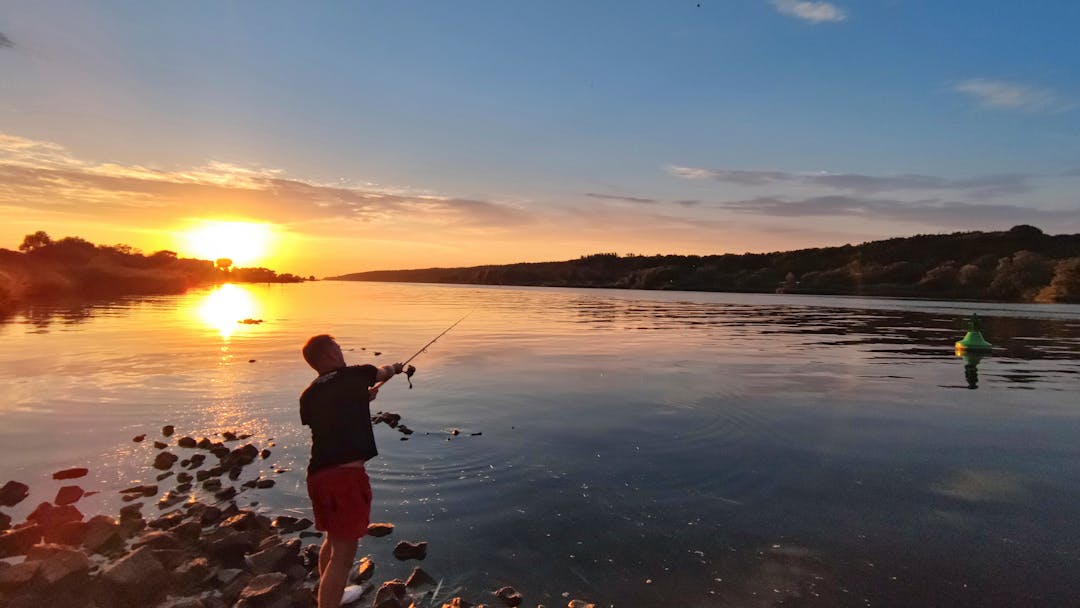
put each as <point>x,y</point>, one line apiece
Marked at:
<point>245,243</point>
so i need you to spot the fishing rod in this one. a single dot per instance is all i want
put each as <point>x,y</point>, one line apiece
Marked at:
<point>409,370</point>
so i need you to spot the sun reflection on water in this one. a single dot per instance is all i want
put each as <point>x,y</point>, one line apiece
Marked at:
<point>225,307</point>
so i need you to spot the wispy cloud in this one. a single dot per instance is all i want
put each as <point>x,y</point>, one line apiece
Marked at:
<point>1001,95</point>
<point>937,212</point>
<point>986,185</point>
<point>814,12</point>
<point>5,42</point>
<point>618,197</point>
<point>43,176</point>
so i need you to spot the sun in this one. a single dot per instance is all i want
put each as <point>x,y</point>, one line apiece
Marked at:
<point>245,243</point>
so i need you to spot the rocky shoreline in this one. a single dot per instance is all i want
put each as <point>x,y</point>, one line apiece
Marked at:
<point>193,553</point>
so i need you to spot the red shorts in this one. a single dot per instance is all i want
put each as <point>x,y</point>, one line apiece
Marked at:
<point>341,499</point>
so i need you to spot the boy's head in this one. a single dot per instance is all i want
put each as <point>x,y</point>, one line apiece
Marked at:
<point>323,354</point>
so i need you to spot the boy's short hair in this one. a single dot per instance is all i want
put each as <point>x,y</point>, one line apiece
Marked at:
<point>316,345</point>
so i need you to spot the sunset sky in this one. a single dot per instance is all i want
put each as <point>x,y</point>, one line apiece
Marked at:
<point>372,135</point>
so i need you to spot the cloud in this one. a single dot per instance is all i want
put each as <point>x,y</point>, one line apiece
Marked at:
<point>616,197</point>
<point>987,185</point>
<point>936,212</point>
<point>1001,95</point>
<point>43,176</point>
<point>814,12</point>
<point>5,42</point>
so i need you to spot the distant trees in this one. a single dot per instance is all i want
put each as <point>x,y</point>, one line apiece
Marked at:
<point>34,241</point>
<point>1018,264</point>
<point>223,264</point>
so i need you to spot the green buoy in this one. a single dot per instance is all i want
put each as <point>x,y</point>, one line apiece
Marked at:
<point>973,341</point>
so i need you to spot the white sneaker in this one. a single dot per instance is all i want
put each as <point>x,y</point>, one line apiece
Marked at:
<point>352,593</point>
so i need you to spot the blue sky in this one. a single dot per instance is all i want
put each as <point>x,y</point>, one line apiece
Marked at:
<point>499,131</point>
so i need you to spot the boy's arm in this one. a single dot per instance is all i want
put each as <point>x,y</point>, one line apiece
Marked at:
<point>384,373</point>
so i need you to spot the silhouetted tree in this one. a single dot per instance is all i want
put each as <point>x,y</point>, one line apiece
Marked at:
<point>1065,286</point>
<point>34,241</point>
<point>223,263</point>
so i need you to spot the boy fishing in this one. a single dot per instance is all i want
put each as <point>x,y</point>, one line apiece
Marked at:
<point>336,406</point>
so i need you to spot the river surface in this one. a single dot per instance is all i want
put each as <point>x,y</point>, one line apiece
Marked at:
<point>634,448</point>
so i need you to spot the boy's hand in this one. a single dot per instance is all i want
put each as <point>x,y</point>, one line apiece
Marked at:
<point>372,393</point>
<point>398,368</point>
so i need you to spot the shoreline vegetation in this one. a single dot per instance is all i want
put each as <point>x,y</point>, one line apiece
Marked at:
<point>73,267</point>
<point>1022,264</point>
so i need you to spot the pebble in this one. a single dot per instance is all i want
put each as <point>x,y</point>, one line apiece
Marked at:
<point>139,438</point>
<point>73,473</point>
<point>14,492</point>
<point>168,430</point>
<point>406,550</point>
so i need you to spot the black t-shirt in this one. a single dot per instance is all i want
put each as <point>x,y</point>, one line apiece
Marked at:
<point>336,407</point>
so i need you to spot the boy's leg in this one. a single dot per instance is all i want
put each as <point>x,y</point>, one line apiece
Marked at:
<point>324,554</point>
<point>332,581</point>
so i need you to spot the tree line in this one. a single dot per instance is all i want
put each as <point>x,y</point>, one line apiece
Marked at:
<point>1021,264</point>
<point>74,267</point>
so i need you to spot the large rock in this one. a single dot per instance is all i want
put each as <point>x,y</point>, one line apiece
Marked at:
<point>136,578</point>
<point>19,540</point>
<point>392,594</point>
<point>102,534</point>
<point>406,550</point>
<point>165,460</point>
<point>193,572</point>
<point>276,556</point>
<point>364,570</point>
<point>228,545</point>
<point>168,430</point>
<point>72,473</point>
<point>157,540</point>
<point>13,493</point>
<point>5,521</point>
<point>66,533</point>
<point>509,596</point>
<point>420,581</point>
<point>58,563</point>
<point>378,529</point>
<point>49,515</point>
<point>68,495</point>
<point>241,456</point>
<point>265,590</point>
<point>186,442</point>
<point>13,578</point>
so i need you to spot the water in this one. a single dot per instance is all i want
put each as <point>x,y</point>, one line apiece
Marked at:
<point>637,448</point>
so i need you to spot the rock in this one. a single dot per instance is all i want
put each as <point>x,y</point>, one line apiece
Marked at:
<point>231,591</point>
<point>183,477</point>
<point>68,495</point>
<point>157,540</point>
<point>228,436</point>
<point>165,460</point>
<point>509,596</point>
<point>387,418</point>
<point>160,445</point>
<point>379,529</point>
<point>406,550</point>
<point>263,484</point>
<point>276,556</point>
<point>228,545</point>
<point>168,430</point>
<point>13,493</point>
<point>364,571</point>
<point>390,595</point>
<point>5,521</point>
<point>226,494</point>
<point>129,527</point>
<point>140,490</point>
<point>219,450</point>
<point>579,604</point>
<point>139,438</point>
<point>66,533</point>
<point>102,534</point>
<point>165,475</point>
<point>136,576</point>
<point>455,432</point>
<point>18,576</point>
<point>204,443</point>
<point>169,520</point>
<point>169,499</point>
<point>193,572</point>
<point>50,516</point>
<point>209,516</point>
<point>241,456</point>
<point>58,563</point>
<point>420,581</point>
<point>264,454</point>
<point>182,602</point>
<point>476,434</point>
<point>212,485</point>
<point>404,429</point>
<point>234,473</point>
<point>265,589</point>
<point>186,442</point>
<point>197,461</point>
<point>73,473</point>
<point>457,602</point>
<point>131,511</point>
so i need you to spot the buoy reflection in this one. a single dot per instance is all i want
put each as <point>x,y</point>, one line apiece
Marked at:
<point>224,307</point>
